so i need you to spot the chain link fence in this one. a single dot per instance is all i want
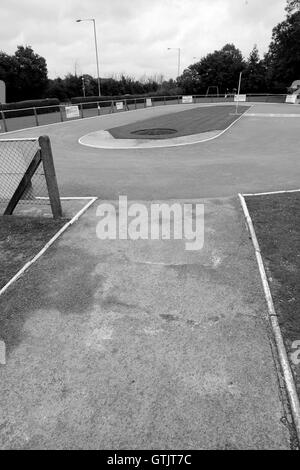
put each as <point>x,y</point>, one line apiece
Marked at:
<point>15,158</point>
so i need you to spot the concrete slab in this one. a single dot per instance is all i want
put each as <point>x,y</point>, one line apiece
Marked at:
<point>121,344</point>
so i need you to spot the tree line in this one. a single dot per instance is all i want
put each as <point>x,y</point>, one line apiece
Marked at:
<point>26,76</point>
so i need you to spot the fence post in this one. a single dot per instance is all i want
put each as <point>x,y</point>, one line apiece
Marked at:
<point>36,117</point>
<point>61,114</point>
<point>50,175</point>
<point>178,99</point>
<point>98,108</point>
<point>135,103</point>
<point>164,100</point>
<point>4,121</point>
<point>81,110</point>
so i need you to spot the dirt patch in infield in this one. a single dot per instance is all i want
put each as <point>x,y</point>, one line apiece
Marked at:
<point>21,238</point>
<point>276,220</point>
<point>193,121</point>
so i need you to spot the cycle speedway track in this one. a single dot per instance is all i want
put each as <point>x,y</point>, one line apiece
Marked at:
<point>122,344</point>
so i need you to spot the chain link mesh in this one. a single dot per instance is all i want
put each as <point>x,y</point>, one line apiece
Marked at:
<point>15,158</point>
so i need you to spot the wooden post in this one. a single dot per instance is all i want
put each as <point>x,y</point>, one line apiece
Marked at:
<point>4,121</point>
<point>50,175</point>
<point>36,117</point>
<point>98,108</point>
<point>61,114</point>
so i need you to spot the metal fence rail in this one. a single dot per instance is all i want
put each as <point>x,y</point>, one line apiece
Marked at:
<point>11,120</point>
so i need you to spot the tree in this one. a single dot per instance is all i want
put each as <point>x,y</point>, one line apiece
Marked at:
<point>292,6</point>
<point>32,74</point>
<point>255,73</point>
<point>220,68</point>
<point>9,74</point>
<point>25,74</point>
<point>283,58</point>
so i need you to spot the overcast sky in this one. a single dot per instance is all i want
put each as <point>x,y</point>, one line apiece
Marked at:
<point>134,35</point>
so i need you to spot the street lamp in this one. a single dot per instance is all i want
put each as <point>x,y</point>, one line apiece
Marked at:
<point>83,86</point>
<point>179,51</point>
<point>96,50</point>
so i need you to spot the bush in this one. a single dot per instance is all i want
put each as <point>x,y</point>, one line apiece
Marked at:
<point>91,101</point>
<point>25,105</point>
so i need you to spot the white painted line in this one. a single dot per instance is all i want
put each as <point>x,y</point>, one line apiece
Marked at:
<point>2,353</point>
<point>272,192</point>
<point>68,198</point>
<point>53,239</point>
<point>30,139</point>
<point>283,357</point>
<point>273,115</point>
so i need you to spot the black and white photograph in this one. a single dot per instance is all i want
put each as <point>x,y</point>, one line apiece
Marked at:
<point>150,228</point>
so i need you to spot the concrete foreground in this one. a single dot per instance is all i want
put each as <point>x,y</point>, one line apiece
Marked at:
<point>141,345</point>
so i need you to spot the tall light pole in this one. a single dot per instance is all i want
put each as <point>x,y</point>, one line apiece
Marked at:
<point>83,86</point>
<point>96,50</point>
<point>179,52</point>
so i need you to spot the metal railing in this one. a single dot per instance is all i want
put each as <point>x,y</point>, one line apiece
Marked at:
<point>16,119</point>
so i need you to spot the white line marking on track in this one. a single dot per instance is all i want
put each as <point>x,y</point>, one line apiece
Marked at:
<point>273,115</point>
<point>272,192</point>
<point>53,239</point>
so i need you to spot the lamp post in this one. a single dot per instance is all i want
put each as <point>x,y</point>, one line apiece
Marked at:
<point>179,52</point>
<point>96,50</point>
<point>83,86</point>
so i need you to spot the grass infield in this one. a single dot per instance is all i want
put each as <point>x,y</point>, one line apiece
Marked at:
<point>194,121</point>
<point>276,220</point>
<point>21,238</point>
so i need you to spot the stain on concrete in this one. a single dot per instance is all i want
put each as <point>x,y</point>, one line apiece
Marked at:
<point>70,291</point>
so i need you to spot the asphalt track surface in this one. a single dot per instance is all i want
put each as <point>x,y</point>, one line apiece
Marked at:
<point>128,345</point>
<point>255,155</point>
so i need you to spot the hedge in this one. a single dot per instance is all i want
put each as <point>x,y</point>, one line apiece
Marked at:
<point>24,105</point>
<point>91,101</point>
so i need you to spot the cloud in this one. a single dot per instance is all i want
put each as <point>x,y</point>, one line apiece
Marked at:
<point>134,35</point>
